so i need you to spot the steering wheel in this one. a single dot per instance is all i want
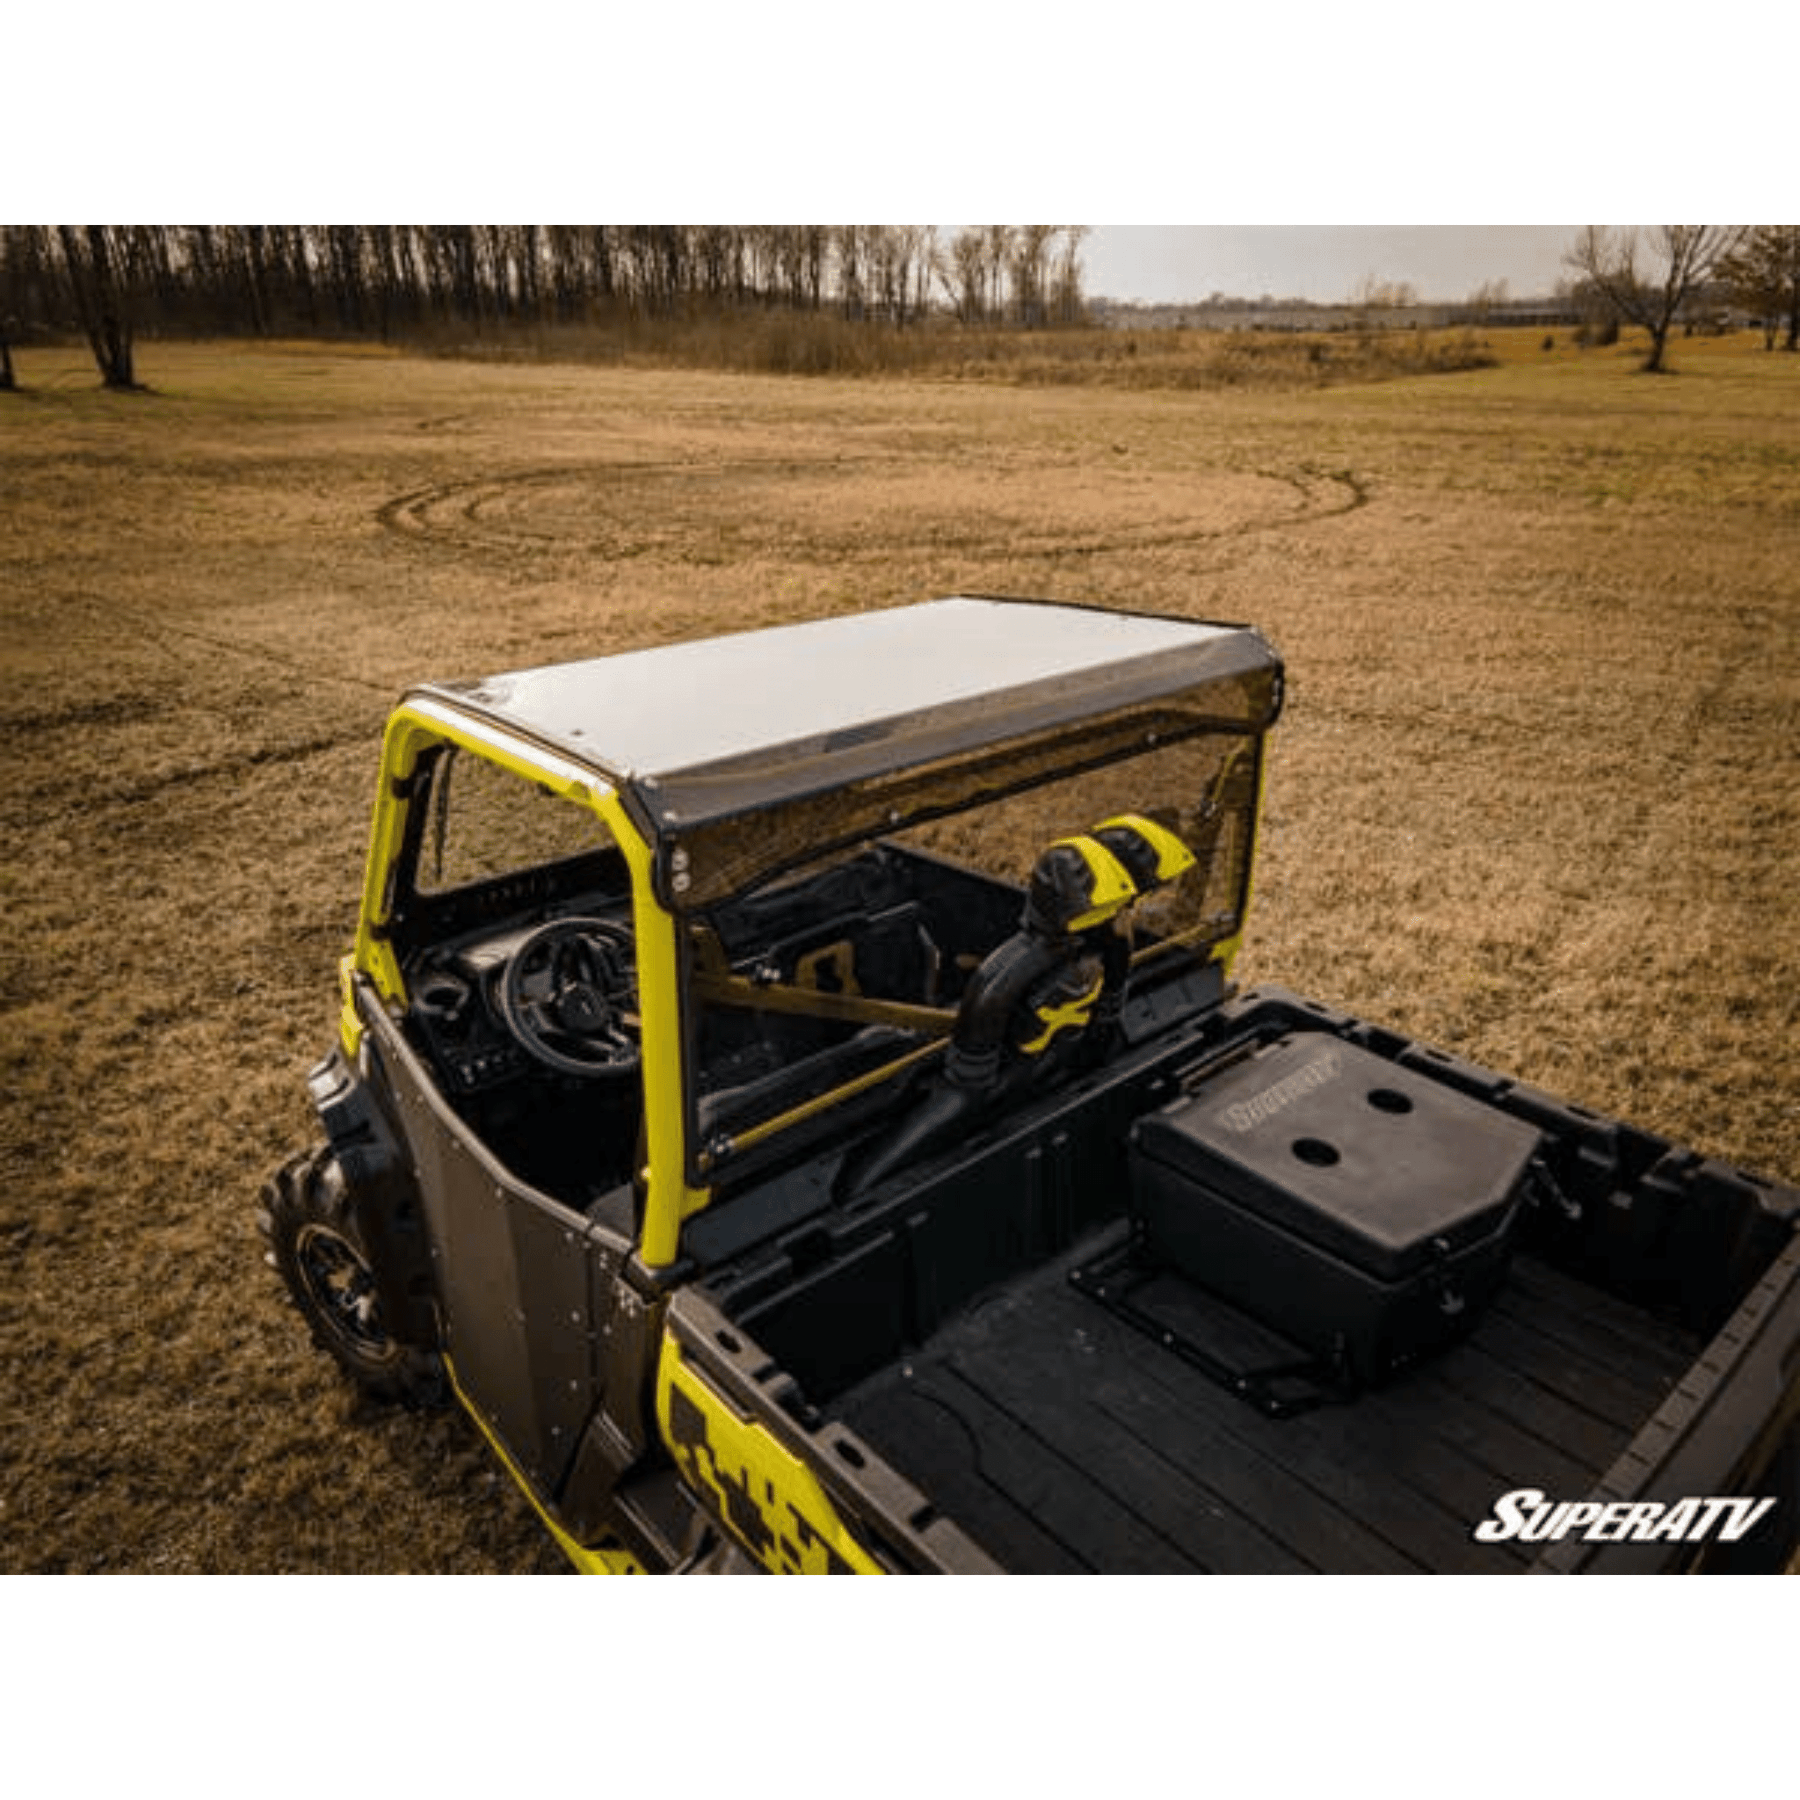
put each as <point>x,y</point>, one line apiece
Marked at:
<point>563,995</point>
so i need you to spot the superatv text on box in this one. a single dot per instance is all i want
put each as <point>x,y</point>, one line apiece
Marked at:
<point>791,1092</point>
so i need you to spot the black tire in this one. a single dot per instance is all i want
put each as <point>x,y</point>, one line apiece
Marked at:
<point>314,1244</point>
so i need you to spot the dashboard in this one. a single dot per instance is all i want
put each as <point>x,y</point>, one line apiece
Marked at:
<point>457,1010</point>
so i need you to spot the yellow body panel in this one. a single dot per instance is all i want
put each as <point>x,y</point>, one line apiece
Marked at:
<point>350,1025</point>
<point>767,1497</point>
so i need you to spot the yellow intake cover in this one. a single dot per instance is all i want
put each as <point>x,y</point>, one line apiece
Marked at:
<point>1109,883</point>
<point>1172,858</point>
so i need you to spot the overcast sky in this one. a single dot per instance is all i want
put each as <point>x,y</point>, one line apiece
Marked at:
<point>1319,262</point>
<point>715,111</point>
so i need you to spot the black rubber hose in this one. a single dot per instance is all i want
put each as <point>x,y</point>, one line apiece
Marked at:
<point>974,1061</point>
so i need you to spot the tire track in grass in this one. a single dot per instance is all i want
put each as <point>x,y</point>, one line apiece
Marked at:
<point>1325,494</point>
<point>63,786</point>
<point>157,632</point>
<point>622,510</point>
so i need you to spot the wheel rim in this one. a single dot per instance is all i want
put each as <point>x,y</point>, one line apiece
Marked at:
<point>341,1286</point>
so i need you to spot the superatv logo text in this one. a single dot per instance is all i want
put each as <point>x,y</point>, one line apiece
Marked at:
<point>1528,1517</point>
<point>1246,1115</point>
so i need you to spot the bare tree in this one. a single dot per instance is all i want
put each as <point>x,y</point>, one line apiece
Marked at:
<point>1763,274</point>
<point>1028,264</point>
<point>1646,286</point>
<point>852,245</point>
<point>964,274</point>
<point>21,290</point>
<point>886,252</point>
<point>925,253</point>
<point>997,243</point>
<point>1485,300</point>
<point>1374,295</point>
<point>103,265</point>
<point>1067,302</point>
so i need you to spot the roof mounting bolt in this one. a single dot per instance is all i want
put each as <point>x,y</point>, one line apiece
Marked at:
<point>678,859</point>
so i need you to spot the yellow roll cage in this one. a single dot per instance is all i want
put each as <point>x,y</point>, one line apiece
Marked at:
<point>421,725</point>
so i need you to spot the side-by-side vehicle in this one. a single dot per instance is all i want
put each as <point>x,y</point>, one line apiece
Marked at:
<point>792,1092</point>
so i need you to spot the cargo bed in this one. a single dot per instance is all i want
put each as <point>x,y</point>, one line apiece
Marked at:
<point>1063,1439</point>
<point>1007,1342</point>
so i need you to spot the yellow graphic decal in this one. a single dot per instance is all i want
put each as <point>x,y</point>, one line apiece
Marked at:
<point>1071,1015</point>
<point>767,1497</point>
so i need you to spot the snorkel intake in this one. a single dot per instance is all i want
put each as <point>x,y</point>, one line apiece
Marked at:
<point>1062,972</point>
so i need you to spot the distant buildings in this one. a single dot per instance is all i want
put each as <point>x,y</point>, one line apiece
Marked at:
<point>1269,314</point>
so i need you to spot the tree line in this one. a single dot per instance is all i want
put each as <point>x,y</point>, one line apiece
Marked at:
<point>110,282</point>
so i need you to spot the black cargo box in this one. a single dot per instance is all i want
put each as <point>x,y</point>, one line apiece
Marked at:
<point>1358,1208</point>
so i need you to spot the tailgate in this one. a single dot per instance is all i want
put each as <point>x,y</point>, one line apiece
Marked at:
<point>1730,1430</point>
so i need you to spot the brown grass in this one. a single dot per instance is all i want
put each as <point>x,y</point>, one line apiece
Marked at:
<point>1534,799</point>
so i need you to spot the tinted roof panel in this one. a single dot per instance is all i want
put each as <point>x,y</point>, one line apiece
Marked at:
<point>750,750</point>
<point>655,713</point>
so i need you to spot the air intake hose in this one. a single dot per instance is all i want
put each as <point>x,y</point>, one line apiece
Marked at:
<point>1076,886</point>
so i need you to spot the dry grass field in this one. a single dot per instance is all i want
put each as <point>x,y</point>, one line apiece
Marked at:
<point>1535,797</point>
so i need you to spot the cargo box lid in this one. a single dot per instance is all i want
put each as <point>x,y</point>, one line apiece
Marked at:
<point>1374,1163</point>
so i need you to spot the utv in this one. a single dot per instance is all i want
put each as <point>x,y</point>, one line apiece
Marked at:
<point>791,1092</point>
